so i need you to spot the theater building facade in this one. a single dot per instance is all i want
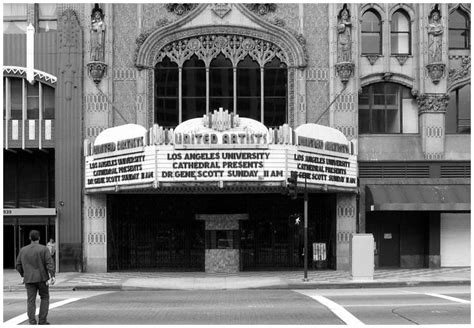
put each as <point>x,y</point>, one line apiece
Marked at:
<point>169,132</point>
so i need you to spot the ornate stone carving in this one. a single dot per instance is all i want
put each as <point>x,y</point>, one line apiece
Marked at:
<point>97,70</point>
<point>344,39</point>
<point>435,34</point>
<point>432,102</point>
<point>234,47</point>
<point>162,22</point>
<point>261,8</point>
<point>463,71</point>
<point>68,36</point>
<point>221,9</point>
<point>435,71</point>
<point>402,59</point>
<point>180,8</point>
<point>97,35</point>
<point>372,58</point>
<point>278,22</point>
<point>139,41</point>
<point>97,66</point>
<point>344,70</point>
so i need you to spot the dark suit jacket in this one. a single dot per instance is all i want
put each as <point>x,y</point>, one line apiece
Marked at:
<point>34,262</point>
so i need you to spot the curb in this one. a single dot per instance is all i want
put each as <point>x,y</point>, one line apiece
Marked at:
<point>303,285</point>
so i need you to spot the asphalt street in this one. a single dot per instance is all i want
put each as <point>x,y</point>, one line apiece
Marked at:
<point>375,306</point>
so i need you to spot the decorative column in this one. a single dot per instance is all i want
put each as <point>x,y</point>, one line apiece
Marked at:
<point>343,84</point>
<point>98,116</point>
<point>346,216</point>
<point>68,141</point>
<point>432,110</point>
<point>301,97</point>
<point>95,233</point>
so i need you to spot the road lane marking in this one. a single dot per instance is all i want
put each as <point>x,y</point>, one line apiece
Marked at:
<point>24,317</point>
<point>454,299</point>
<point>335,308</point>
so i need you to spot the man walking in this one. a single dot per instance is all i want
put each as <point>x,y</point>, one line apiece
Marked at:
<point>35,265</point>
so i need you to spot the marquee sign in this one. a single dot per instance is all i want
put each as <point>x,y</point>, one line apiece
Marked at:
<point>220,147</point>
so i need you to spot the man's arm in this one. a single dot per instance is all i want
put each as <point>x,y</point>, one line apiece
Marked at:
<point>19,265</point>
<point>50,264</point>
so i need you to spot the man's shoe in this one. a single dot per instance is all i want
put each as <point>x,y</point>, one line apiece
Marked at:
<point>32,322</point>
<point>44,323</point>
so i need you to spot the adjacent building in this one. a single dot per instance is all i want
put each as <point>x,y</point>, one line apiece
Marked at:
<point>161,136</point>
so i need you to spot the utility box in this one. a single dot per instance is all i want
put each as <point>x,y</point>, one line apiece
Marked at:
<point>362,256</point>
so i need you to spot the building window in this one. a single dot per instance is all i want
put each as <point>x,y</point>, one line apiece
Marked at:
<point>28,179</point>
<point>247,89</point>
<point>387,108</point>
<point>38,100</point>
<point>221,83</point>
<point>371,33</point>
<point>15,18</point>
<point>459,30</point>
<point>47,17</point>
<point>194,91</point>
<point>166,93</point>
<point>400,33</point>
<point>458,114</point>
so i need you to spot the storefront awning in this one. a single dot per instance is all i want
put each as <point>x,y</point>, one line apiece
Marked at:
<point>418,198</point>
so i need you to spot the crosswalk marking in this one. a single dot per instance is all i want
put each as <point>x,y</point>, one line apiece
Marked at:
<point>454,299</point>
<point>24,317</point>
<point>335,308</point>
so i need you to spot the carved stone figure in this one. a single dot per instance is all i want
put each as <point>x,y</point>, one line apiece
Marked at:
<point>97,35</point>
<point>435,34</point>
<point>344,36</point>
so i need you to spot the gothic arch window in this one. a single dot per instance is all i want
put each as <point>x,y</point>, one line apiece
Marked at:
<point>246,76</point>
<point>458,114</point>
<point>221,83</point>
<point>459,30</point>
<point>194,91</point>
<point>371,33</point>
<point>400,33</point>
<point>248,88</point>
<point>166,93</point>
<point>387,108</point>
<point>276,77</point>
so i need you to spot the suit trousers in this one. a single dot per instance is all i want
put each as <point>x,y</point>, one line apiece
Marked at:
<point>32,290</point>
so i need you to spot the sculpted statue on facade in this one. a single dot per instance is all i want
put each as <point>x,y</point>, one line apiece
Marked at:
<point>97,35</point>
<point>435,34</point>
<point>344,36</point>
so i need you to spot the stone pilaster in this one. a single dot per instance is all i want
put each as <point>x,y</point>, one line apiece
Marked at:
<point>97,97</point>
<point>301,97</point>
<point>68,140</point>
<point>343,85</point>
<point>346,216</point>
<point>95,233</point>
<point>432,109</point>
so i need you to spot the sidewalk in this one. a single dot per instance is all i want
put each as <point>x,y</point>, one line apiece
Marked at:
<point>245,280</point>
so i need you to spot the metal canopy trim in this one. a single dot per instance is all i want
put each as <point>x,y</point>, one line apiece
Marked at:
<point>445,198</point>
<point>29,212</point>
